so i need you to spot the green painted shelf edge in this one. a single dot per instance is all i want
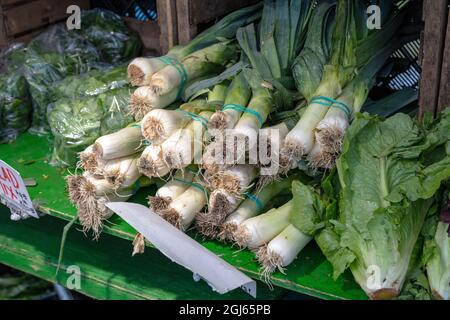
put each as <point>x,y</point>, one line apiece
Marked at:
<point>106,268</point>
<point>310,274</point>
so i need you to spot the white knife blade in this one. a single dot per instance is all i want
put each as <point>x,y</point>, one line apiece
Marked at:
<point>182,249</point>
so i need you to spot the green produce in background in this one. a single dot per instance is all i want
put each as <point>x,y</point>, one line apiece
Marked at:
<point>436,252</point>
<point>390,172</point>
<point>88,106</point>
<point>58,53</point>
<point>15,103</point>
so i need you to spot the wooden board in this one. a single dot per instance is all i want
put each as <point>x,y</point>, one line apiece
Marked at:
<point>435,17</point>
<point>32,15</point>
<point>149,32</point>
<point>12,2</point>
<point>167,19</point>
<point>310,274</point>
<point>107,269</point>
<point>444,92</point>
<point>191,13</point>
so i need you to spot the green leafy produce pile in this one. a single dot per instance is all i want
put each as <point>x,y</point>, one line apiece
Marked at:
<point>89,106</point>
<point>56,54</point>
<point>370,214</point>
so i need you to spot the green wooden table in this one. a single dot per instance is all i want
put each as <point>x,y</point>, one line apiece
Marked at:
<point>310,274</point>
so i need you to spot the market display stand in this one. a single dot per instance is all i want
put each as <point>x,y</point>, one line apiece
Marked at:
<point>33,245</point>
<point>106,269</point>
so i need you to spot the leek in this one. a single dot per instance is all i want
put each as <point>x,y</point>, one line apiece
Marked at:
<point>171,190</point>
<point>259,230</point>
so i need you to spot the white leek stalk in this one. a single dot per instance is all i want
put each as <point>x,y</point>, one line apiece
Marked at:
<point>185,145</point>
<point>253,206</point>
<point>282,250</point>
<point>89,161</point>
<point>249,124</point>
<point>170,191</point>
<point>214,157</point>
<point>236,179</point>
<point>143,100</point>
<point>122,172</point>
<point>141,70</point>
<point>238,94</point>
<point>221,204</point>
<point>331,129</point>
<point>320,158</point>
<point>160,124</point>
<point>300,140</point>
<point>124,142</point>
<point>93,186</point>
<point>151,162</point>
<point>183,209</point>
<point>259,230</point>
<point>197,64</point>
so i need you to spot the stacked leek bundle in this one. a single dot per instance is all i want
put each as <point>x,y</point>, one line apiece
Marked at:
<point>113,164</point>
<point>162,80</point>
<point>304,72</point>
<point>346,76</point>
<point>228,187</point>
<point>110,175</point>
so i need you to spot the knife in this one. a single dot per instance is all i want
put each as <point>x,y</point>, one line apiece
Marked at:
<point>182,249</point>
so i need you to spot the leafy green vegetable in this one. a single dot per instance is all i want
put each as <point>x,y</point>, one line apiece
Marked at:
<point>89,106</point>
<point>272,48</point>
<point>308,66</point>
<point>15,103</point>
<point>388,181</point>
<point>58,53</point>
<point>436,256</point>
<point>110,36</point>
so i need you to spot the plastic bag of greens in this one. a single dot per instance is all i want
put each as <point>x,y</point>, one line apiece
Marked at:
<point>53,55</point>
<point>108,32</point>
<point>15,107</point>
<point>77,123</point>
<point>59,53</point>
<point>91,83</point>
<point>15,104</point>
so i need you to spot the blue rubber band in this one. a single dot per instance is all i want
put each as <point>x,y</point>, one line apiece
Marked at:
<point>241,108</point>
<point>333,103</point>
<point>196,117</point>
<point>181,70</point>
<point>255,199</point>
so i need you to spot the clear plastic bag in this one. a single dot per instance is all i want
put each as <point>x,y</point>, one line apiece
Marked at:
<point>77,123</point>
<point>15,104</point>
<point>108,32</point>
<point>58,53</point>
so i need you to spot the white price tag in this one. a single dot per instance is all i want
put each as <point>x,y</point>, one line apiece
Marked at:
<point>14,194</point>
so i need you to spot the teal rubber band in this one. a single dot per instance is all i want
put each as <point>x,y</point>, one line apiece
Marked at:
<point>241,108</point>
<point>136,187</point>
<point>192,184</point>
<point>333,103</point>
<point>196,117</point>
<point>255,199</point>
<point>181,70</point>
<point>135,125</point>
<point>146,142</point>
<point>191,170</point>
